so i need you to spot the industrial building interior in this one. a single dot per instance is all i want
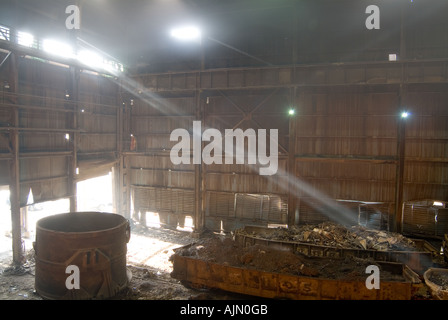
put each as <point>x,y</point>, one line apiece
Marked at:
<point>348,97</point>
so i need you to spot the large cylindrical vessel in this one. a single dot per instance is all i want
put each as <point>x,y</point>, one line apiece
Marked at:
<point>93,243</point>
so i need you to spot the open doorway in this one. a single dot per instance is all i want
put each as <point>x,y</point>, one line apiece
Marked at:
<point>95,194</point>
<point>33,212</point>
<point>29,215</point>
<point>5,222</point>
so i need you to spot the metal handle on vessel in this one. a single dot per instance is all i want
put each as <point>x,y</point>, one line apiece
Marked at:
<point>128,231</point>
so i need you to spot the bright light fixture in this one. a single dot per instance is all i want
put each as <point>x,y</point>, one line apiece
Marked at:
<point>291,112</point>
<point>438,204</point>
<point>4,33</point>
<point>25,39</point>
<point>188,33</point>
<point>96,61</point>
<point>404,114</point>
<point>392,57</point>
<point>58,48</point>
<point>90,58</point>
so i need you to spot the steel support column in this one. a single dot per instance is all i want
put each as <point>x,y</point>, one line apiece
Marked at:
<point>14,169</point>
<point>199,178</point>
<point>399,182</point>
<point>292,220</point>
<point>72,122</point>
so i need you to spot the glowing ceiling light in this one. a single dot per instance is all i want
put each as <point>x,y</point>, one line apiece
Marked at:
<point>4,33</point>
<point>291,112</point>
<point>404,114</point>
<point>392,57</point>
<point>188,33</point>
<point>25,39</point>
<point>58,48</point>
<point>91,58</point>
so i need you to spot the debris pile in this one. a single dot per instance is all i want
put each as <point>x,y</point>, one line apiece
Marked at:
<point>227,252</point>
<point>440,279</point>
<point>339,236</point>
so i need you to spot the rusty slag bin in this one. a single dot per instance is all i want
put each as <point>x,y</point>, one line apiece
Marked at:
<point>197,273</point>
<point>95,242</point>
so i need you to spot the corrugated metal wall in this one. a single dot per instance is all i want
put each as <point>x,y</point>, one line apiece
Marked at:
<point>158,185</point>
<point>225,187</point>
<point>346,145</point>
<point>426,171</point>
<point>342,143</point>
<point>43,87</point>
<point>46,131</point>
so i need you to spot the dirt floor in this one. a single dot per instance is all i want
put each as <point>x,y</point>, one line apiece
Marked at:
<point>148,255</point>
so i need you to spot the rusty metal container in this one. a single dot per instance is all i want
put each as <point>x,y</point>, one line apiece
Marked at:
<point>438,291</point>
<point>199,273</point>
<point>95,242</point>
<point>419,260</point>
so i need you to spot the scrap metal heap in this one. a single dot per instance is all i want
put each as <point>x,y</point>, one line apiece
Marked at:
<point>336,235</point>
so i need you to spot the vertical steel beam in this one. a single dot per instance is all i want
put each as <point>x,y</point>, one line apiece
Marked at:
<point>73,97</point>
<point>14,183</point>
<point>118,186</point>
<point>401,130</point>
<point>199,169</point>
<point>291,164</point>
<point>125,160</point>
<point>199,179</point>
<point>399,182</point>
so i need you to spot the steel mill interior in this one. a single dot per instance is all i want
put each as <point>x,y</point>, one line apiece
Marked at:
<point>252,150</point>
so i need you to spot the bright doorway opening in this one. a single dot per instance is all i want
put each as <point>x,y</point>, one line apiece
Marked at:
<point>95,194</point>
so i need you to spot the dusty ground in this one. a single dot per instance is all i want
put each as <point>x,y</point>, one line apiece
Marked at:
<point>148,255</point>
